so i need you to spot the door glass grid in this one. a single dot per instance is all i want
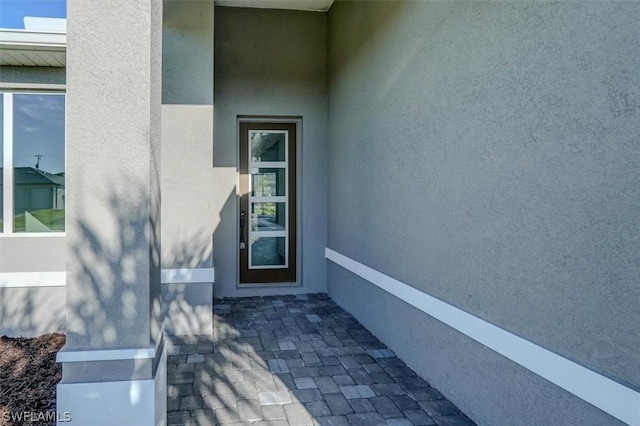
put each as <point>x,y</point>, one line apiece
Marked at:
<point>268,199</point>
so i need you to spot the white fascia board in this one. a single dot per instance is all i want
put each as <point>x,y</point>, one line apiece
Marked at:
<point>36,40</point>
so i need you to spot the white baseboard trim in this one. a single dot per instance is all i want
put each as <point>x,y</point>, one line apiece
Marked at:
<point>59,278</point>
<point>139,402</point>
<point>106,355</point>
<point>188,276</point>
<point>112,354</point>
<point>108,403</point>
<point>608,395</point>
<point>33,279</point>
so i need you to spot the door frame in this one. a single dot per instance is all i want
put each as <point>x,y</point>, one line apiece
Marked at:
<point>297,121</point>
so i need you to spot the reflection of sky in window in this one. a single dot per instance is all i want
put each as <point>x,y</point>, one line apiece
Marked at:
<point>12,12</point>
<point>38,129</point>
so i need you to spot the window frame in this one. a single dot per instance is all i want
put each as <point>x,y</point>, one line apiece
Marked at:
<point>7,162</point>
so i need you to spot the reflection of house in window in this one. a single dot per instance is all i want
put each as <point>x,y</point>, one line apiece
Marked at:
<point>38,200</point>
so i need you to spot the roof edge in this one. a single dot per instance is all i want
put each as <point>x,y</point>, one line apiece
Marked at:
<point>30,39</point>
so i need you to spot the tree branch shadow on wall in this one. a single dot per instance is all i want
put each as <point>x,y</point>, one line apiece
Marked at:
<point>114,272</point>
<point>114,269</point>
<point>16,311</point>
<point>187,307</point>
<point>32,311</point>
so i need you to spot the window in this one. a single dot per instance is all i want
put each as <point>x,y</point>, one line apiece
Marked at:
<point>32,157</point>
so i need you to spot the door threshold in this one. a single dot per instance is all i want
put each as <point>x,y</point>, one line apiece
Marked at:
<point>268,285</point>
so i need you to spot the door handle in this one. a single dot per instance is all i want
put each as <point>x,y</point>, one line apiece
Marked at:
<point>243,221</point>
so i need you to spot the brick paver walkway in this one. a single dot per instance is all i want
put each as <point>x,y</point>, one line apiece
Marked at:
<point>295,360</point>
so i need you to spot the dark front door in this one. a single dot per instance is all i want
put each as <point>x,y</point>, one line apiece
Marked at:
<point>267,202</point>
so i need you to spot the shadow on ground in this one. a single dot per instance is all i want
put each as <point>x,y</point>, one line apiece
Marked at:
<point>295,360</point>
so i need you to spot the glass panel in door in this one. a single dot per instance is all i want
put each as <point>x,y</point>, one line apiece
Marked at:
<point>267,203</point>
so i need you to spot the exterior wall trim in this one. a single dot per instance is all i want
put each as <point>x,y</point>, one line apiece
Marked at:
<point>33,86</point>
<point>106,355</point>
<point>109,403</point>
<point>188,276</point>
<point>608,395</point>
<point>112,354</point>
<point>29,43</point>
<point>37,40</point>
<point>33,279</point>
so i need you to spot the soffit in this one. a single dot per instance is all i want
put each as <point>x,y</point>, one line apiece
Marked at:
<point>32,48</point>
<point>311,5</point>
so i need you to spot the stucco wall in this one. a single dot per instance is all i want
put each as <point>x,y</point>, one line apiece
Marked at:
<point>32,254</point>
<point>187,141</point>
<point>486,154</point>
<point>270,63</point>
<point>32,311</point>
<point>188,217</point>
<point>187,45</point>
<point>113,224</point>
<point>33,75</point>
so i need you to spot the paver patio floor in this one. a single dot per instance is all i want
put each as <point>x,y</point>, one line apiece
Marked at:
<point>295,360</point>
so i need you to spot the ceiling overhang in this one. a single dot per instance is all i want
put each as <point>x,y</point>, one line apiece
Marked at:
<point>32,48</point>
<point>47,47</point>
<point>310,5</point>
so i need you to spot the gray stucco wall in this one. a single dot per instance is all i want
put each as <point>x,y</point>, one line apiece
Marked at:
<point>188,185</point>
<point>271,63</point>
<point>33,75</point>
<point>187,46</point>
<point>113,224</point>
<point>187,142</point>
<point>32,254</point>
<point>188,218</point>
<point>486,154</point>
<point>31,312</point>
